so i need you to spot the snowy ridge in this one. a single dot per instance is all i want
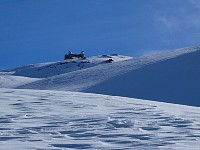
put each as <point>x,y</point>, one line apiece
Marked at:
<point>39,119</point>
<point>44,70</point>
<point>83,79</point>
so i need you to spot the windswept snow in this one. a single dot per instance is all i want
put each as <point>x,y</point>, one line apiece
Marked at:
<point>35,119</point>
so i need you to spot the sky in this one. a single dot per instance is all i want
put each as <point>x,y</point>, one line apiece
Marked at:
<point>34,31</point>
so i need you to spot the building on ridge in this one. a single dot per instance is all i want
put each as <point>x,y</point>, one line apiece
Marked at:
<point>70,55</point>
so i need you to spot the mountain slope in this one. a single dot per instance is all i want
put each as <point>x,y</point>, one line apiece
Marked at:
<point>176,80</point>
<point>12,78</point>
<point>168,76</point>
<point>44,70</point>
<point>171,76</point>
<point>40,119</point>
<point>79,80</point>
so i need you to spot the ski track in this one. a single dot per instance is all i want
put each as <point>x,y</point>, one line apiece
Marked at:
<point>55,120</point>
<point>83,79</point>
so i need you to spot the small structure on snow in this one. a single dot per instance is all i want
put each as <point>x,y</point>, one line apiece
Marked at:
<point>70,55</point>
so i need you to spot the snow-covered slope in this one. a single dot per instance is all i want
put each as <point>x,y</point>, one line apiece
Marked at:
<point>31,119</point>
<point>10,81</point>
<point>44,70</point>
<point>49,119</point>
<point>176,80</point>
<point>168,76</point>
<point>171,76</point>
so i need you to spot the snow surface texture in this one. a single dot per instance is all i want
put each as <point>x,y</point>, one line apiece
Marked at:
<point>168,76</point>
<point>55,120</point>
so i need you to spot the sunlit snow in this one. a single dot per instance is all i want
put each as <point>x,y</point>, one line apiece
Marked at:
<point>50,120</point>
<point>47,113</point>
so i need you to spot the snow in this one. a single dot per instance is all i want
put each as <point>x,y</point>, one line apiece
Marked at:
<point>171,76</point>
<point>47,119</point>
<point>44,70</point>
<point>175,80</point>
<point>10,81</point>
<point>41,108</point>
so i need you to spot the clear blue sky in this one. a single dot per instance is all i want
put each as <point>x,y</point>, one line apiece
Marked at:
<point>34,31</point>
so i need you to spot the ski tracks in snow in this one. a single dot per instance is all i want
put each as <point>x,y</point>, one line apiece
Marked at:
<point>67,120</point>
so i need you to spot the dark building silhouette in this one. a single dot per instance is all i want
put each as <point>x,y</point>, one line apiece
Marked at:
<point>70,55</point>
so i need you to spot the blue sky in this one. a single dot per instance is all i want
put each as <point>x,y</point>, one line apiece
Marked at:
<point>34,31</point>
